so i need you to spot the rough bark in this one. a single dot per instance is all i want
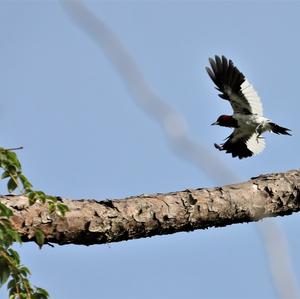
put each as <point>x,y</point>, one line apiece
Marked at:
<point>95,222</point>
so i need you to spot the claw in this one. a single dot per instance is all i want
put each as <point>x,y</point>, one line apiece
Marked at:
<point>256,130</point>
<point>218,146</point>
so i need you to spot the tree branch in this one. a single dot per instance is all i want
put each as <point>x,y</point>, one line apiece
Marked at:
<point>96,222</point>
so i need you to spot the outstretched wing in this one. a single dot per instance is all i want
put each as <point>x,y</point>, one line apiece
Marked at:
<point>234,86</point>
<point>243,144</point>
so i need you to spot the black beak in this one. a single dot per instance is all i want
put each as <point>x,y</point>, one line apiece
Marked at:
<point>215,123</point>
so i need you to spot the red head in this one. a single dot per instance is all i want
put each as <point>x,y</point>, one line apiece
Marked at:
<point>226,121</point>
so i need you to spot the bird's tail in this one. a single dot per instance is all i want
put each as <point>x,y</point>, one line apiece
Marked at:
<point>279,130</point>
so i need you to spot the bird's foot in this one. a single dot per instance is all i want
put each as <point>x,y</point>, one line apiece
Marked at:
<point>218,146</point>
<point>257,130</point>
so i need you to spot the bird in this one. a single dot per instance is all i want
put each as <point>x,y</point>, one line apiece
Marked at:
<point>247,120</point>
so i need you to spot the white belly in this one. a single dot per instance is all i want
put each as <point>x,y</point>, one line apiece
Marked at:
<point>252,121</point>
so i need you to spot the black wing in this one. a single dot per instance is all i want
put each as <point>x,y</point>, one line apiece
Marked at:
<point>234,86</point>
<point>242,144</point>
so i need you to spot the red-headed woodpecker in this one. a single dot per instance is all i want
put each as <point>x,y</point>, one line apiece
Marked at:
<point>247,119</point>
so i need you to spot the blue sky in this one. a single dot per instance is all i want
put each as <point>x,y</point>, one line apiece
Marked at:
<point>85,137</point>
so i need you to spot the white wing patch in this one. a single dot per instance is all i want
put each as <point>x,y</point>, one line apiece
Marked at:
<point>256,144</point>
<point>252,97</point>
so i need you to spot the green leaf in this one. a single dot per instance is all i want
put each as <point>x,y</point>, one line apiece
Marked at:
<point>8,233</point>
<point>10,236</point>
<point>17,237</point>
<point>52,198</point>
<point>4,272</point>
<point>24,271</point>
<point>14,255</point>
<point>11,169</point>
<point>13,159</point>
<point>4,175</point>
<point>39,238</point>
<point>36,195</point>
<point>19,286</point>
<point>6,239</point>
<point>51,207</point>
<point>2,155</point>
<point>32,196</point>
<point>11,286</point>
<point>40,294</point>
<point>62,209</point>
<point>23,295</point>
<point>39,195</point>
<point>5,211</point>
<point>26,184</point>
<point>11,185</point>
